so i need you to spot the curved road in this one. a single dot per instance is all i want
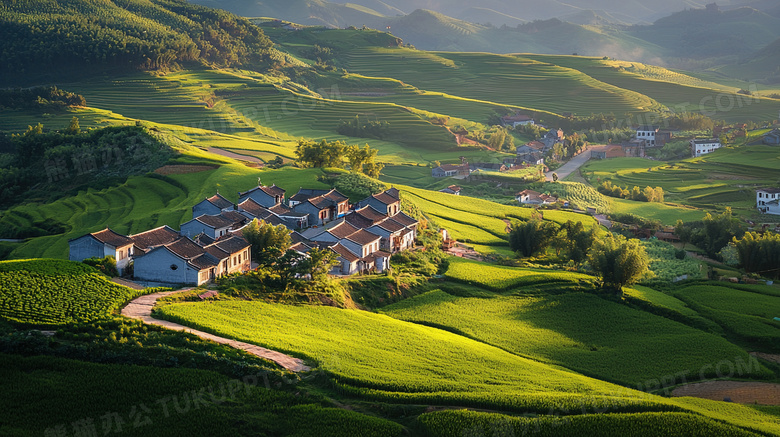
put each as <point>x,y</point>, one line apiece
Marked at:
<point>141,308</point>
<point>573,164</point>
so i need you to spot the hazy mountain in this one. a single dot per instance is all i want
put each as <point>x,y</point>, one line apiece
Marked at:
<point>489,16</point>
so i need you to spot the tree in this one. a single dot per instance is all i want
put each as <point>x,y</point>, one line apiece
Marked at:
<point>683,232</point>
<point>574,239</point>
<point>318,263</point>
<point>532,236</point>
<point>618,261</point>
<point>73,128</point>
<point>322,154</point>
<point>497,138</point>
<point>759,253</point>
<point>268,242</point>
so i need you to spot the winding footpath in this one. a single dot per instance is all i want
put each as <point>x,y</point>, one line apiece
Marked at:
<point>141,308</point>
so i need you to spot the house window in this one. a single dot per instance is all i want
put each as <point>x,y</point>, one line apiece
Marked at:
<point>121,254</point>
<point>174,267</point>
<point>234,261</point>
<point>225,265</point>
<point>239,258</point>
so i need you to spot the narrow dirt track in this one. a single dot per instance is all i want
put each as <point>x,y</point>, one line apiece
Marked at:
<point>141,308</point>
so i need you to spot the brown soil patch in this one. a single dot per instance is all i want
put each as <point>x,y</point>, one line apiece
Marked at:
<point>769,357</point>
<point>182,169</point>
<point>763,393</point>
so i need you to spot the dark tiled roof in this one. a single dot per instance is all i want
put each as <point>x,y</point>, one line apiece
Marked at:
<point>335,196</point>
<point>252,207</point>
<point>204,261</point>
<point>391,225</point>
<point>450,167</point>
<point>107,236</point>
<point>215,221</point>
<point>185,248</point>
<point>272,191</point>
<point>362,237</point>
<point>770,190</point>
<point>343,229</point>
<point>280,209</point>
<point>344,252</point>
<point>404,219</point>
<point>385,198</point>
<point>216,252</point>
<point>232,244</point>
<point>305,193</point>
<point>154,237</point>
<point>394,192</point>
<point>203,239</point>
<point>234,216</point>
<point>297,237</point>
<point>358,221</point>
<point>321,202</point>
<point>371,214</point>
<point>219,201</point>
<point>301,247</point>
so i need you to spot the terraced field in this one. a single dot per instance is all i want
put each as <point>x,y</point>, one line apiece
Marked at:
<point>510,80</point>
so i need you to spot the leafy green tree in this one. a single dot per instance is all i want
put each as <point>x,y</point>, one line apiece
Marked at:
<point>497,137</point>
<point>618,261</point>
<point>531,237</point>
<point>268,242</point>
<point>683,232</point>
<point>73,128</point>
<point>318,263</point>
<point>574,239</point>
<point>322,154</point>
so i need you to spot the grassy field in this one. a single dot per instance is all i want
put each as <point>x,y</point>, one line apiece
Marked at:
<point>55,292</point>
<point>55,396</point>
<point>621,345</point>
<point>506,279</point>
<point>378,357</point>
<point>745,313</point>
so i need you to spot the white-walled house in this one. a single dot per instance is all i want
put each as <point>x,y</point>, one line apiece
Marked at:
<point>100,245</point>
<point>768,200</point>
<point>703,147</point>
<point>647,133</point>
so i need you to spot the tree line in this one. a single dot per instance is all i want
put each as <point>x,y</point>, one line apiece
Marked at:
<point>40,98</point>
<point>618,261</point>
<point>649,194</point>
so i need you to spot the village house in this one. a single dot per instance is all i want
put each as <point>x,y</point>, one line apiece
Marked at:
<point>212,206</point>
<point>772,138</point>
<point>144,241</point>
<point>321,208</point>
<point>385,202</point>
<point>551,138</point>
<point>332,232</point>
<point>515,120</point>
<point>703,147</point>
<point>365,245</point>
<point>531,197</point>
<point>180,262</point>
<point>648,134</point>
<point>253,210</point>
<point>265,196</point>
<point>449,170</point>
<point>452,189</point>
<point>612,151</point>
<point>215,226</point>
<point>768,200</point>
<point>100,245</point>
<point>348,261</point>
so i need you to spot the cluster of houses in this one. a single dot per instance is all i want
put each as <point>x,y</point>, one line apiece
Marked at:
<point>531,197</point>
<point>363,236</point>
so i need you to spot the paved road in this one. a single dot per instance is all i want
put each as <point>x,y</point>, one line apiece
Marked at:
<point>141,308</point>
<point>229,154</point>
<point>572,166</point>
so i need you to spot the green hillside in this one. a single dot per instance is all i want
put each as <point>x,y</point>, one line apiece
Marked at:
<point>41,37</point>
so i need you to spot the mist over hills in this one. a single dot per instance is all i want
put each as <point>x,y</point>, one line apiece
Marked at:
<point>683,34</point>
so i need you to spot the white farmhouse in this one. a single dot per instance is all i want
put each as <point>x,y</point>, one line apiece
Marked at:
<point>703,147</point>
<point>768,200</point>
<point>647,133</point>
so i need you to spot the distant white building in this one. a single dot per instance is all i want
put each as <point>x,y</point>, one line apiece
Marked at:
<point>647,133</point>
<point>703,147</point>
<point>768,200</point>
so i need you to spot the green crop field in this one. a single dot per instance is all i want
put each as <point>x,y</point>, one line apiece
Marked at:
<point>621,344</point>
<point>745,314</point>
<point>124,400</point>
<point>53,292</point>
<point>463,422</point>
<point>504,278</point>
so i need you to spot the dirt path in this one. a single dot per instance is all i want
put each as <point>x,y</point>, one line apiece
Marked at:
<point>227,154</point>
<point>141,308</point>
<point>763,393</point>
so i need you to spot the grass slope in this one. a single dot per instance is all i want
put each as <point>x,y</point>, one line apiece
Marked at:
<point>581,332</point>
